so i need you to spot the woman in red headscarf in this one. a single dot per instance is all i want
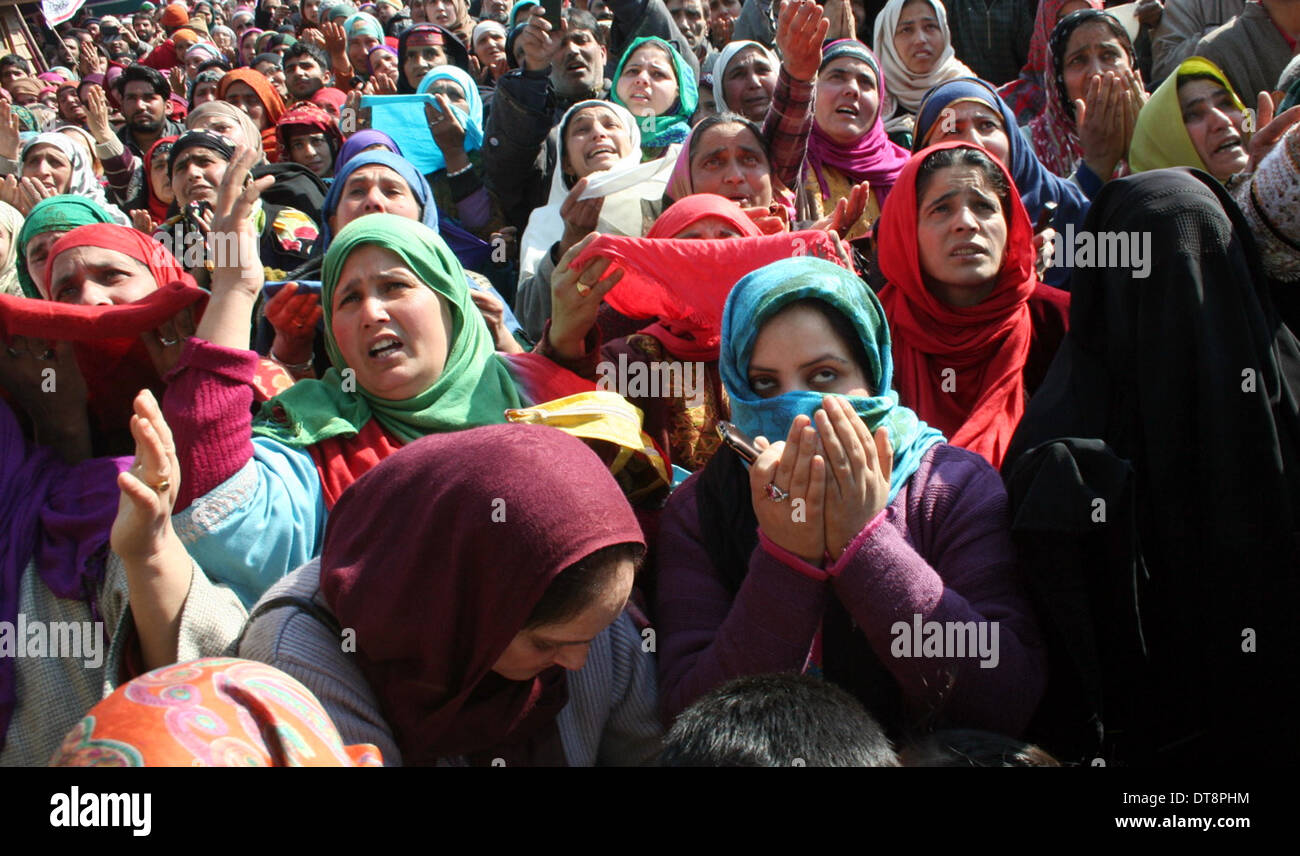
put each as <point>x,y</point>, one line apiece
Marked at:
<point>974,329</point>
<point>250,91</point>
<point>676,279</point>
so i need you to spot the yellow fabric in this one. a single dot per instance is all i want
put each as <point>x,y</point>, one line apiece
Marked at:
<point>840,186</point>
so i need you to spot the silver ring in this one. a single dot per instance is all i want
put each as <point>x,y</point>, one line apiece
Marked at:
<point>165,342</point>
<point>775,493</point>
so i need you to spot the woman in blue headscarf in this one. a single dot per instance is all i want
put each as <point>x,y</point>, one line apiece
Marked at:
<point>834,549</point>
<point>457,126</point>
<point>970,109</point>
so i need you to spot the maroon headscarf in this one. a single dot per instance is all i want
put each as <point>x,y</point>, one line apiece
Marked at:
<point>416,563</point>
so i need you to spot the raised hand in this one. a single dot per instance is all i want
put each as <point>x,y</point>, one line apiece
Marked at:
<point>539,44</point>
<point>581,216</point>
<point>176,79</point>
<point>848,210</point>
<point>165,343</point>
<point>31,191</point>
<point>10,128</point>
<point>1270,129</point>
<point>576,295</point>
<point>1100,117</point>
<point>448,132</point>
<point>859,467</point>
<point>97,115</point>
<point>143,221</point>
<point>494,315</point>
<point>720,29</point>
<point>800,32</point>
<point>788,488</point>
<point>294,316</point>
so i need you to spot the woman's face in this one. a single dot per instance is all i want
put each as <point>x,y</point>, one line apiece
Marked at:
<point>159,180</point>
<point>205,92</point>
<point>797,349</point>
<point>36,253</point>
<point>70,106</point>
<point>847,100</point>
<point>194,59</point>
<point>223,125</point>
<point>391,328</point>
<point>374,189</point>
<point>730,162</point>
<point>918,38</point>
<point>648,85</point>
<point>383,62</point>
<point>536,649</point>
<point>1215,126</point>
<point>489,47</point>
<point>708,229</point>
<point>245,98</point>
<point>310,8</point>
<point>248,48</point>
<point>972,122</point>
<point>49,165</point>
<point>310,147</point>
<point>359,47</point>
<point>594,141</point>
<point>961,235</point>
<point>95,276</point>
<point>452,91</point>
<point>748,84</point>
<point>1091,51</point>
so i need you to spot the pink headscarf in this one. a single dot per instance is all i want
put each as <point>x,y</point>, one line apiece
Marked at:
<point>873,157</point>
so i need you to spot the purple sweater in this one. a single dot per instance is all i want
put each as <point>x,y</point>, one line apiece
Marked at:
<point>942,549</point>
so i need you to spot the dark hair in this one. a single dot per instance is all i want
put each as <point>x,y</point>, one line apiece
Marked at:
<point>218,64</point>
<point>724,118</point>
<point>961,747</point>
<point>964,156</point>
<point>843,329</point>
<point>780,720</point>
<point>581,19</point>
<point>273,58</point>
<point>1059,40</point>
<point>136,72</point>
<point>11,60</point>
<point>1203,75</point>
<point>574,588</point>
<point>306,49</point>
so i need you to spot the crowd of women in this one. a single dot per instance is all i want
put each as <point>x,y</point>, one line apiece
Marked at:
<point>634,383</point>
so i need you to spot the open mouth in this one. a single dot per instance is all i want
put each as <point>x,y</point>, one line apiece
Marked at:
<point>1231,143</point>
<point>384,346</point>
<point>847,111</point>
<point>601,150</point>
<point>968,251</point>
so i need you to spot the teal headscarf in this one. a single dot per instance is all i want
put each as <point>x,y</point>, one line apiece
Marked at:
<point>55,214</point>
<point>673,126</point>
<point>474,388</point>
<point>768,290</point>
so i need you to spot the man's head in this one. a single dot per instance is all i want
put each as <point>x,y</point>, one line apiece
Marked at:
<point>13,67</point>
<point>143,92</point>
<point>306,71</point>
<point>198,163</point>
<point>174,17</point>
<point>781,720</point>
<point>578,66</point>
<point>692,19</point>
<point>143,25</point>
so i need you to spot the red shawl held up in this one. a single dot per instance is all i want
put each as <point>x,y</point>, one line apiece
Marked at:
<point>960,369</point>
<point>685,282</point>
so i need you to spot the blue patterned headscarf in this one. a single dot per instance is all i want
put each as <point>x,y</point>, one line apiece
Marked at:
<point>768,290</point>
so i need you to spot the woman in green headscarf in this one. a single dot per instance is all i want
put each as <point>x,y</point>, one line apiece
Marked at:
<point>1193,119</point>
<point>48,220</point>
<point>657,86</point>
<point>411,357</point>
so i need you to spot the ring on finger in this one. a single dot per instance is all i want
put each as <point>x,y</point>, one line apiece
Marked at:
<point>162,486</point>
<point>582,287</point>
<point>165,342</point>
<point>775,493</point>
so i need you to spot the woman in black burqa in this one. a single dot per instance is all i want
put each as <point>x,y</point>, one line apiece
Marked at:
<point>1155,490</point>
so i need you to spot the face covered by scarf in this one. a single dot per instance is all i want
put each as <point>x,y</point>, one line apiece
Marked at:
<point>474,388</point>
<point>55,214</point>
<point>272,103</point>
<point>986,344</point>
<point>907,88</point>
<point>1055,133</point>
<point>673,125</point>
<point>433,676</point>
<point>1160,138</point>
<point>872,157</point>
<point>764,293</point>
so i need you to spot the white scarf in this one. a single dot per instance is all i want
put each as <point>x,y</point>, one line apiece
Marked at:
<point>902,87</point>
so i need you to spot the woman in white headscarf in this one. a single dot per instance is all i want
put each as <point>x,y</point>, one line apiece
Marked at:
<point>743,80</point>
<point>914,44</point>
<point>599,148</point>
<point>59,166</point>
